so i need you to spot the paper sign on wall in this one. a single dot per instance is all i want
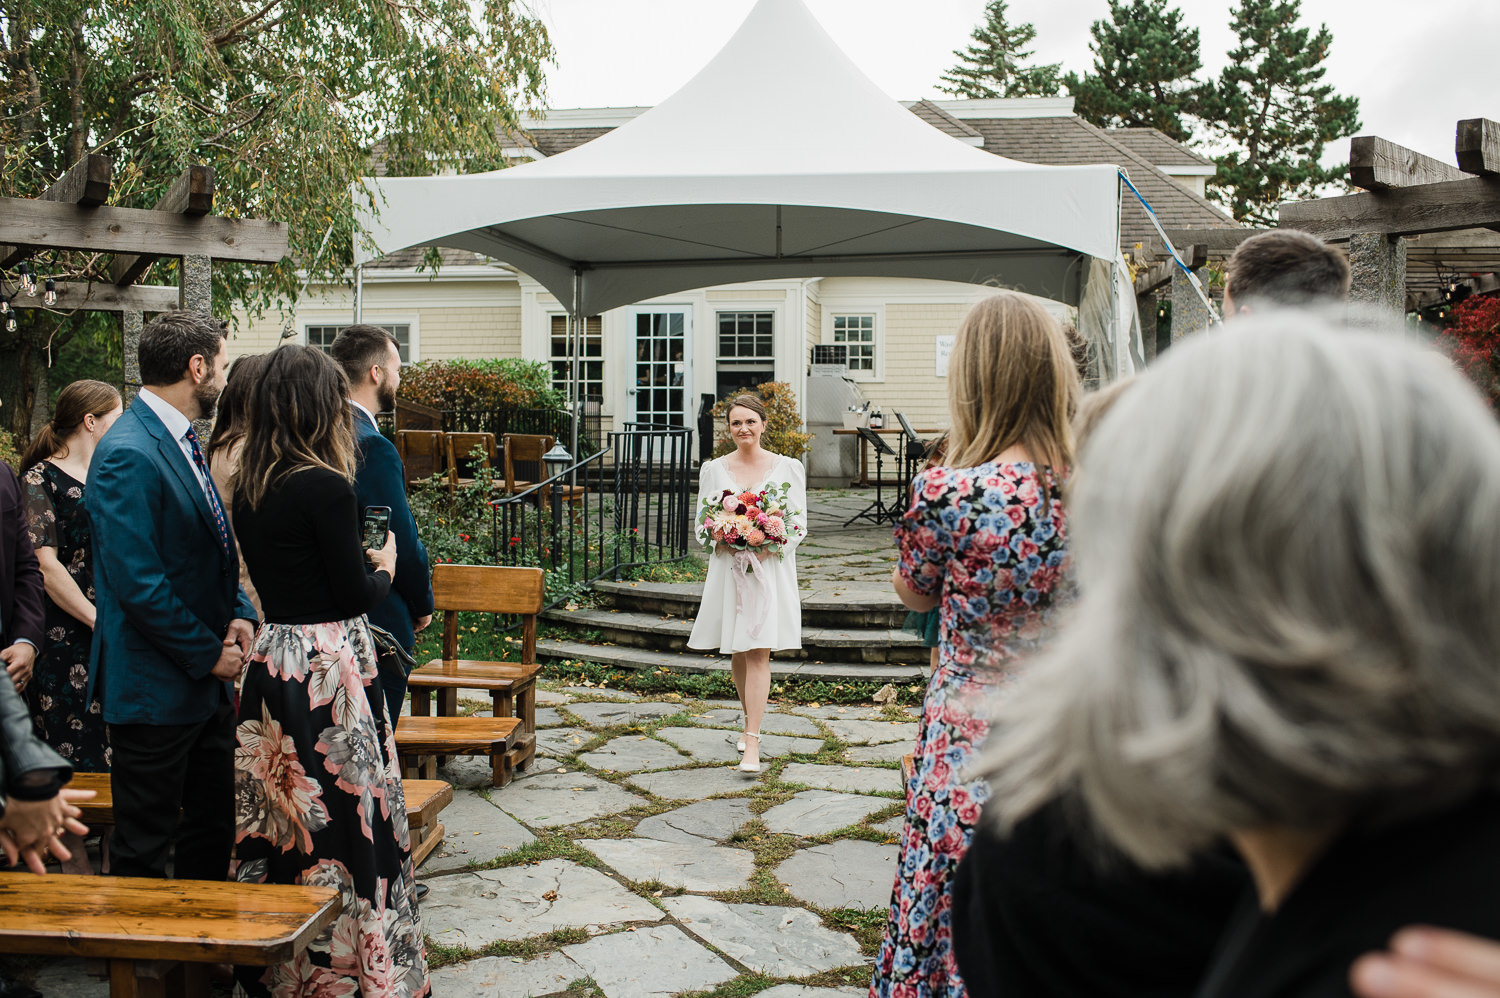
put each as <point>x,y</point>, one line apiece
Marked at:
<point>944,351</point>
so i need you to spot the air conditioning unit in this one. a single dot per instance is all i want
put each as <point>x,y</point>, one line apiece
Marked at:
<point>830,358</point>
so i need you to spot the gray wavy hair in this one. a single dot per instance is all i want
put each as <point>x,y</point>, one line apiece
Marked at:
<point>1287,539</point>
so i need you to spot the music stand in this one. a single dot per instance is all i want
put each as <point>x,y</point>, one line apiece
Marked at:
<point>913,450</point>
<point>877,511</point>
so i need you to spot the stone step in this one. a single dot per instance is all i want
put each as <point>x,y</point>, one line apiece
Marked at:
<point>661,632</point>
<point>640,658</point>
<point>825,605</point>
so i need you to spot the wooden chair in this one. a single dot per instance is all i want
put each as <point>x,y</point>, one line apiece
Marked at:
<point>415,416</point>
<point>511,685</point>
<point>461,447</point>
<point>159,935</point>
<point>422,739</point>
<point>425,800</point>
<point>423,454</point>
<point>527,449</point>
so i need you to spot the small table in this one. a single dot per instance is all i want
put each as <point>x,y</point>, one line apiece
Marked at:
<point>158,934</point>
<point>864,480</point>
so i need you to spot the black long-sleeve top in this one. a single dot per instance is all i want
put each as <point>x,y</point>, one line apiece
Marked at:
<point>304,550</point>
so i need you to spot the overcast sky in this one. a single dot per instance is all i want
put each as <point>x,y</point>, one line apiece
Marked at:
<point>1417,66</point>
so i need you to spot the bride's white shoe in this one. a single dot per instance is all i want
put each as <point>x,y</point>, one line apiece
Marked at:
<point>751,767</point>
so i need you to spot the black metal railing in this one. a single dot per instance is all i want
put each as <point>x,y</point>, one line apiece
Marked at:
<point>625,506</point>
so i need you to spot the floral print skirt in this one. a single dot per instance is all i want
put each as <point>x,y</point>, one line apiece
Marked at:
<point>318,800</point>
<point>916,956</point>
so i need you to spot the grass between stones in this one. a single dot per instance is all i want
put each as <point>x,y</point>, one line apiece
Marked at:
<point>439,955</point>
<point>548,845</point>
<point>583,987</point>
<point>867,927</point>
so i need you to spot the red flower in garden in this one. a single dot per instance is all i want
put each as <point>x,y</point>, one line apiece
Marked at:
<point>464,538</point>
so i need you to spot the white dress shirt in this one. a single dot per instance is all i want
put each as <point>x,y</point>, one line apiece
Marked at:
<point>178,425</point>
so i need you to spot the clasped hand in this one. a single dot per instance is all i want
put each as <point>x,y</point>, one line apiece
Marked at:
<point>31,828</point>
<point>237,642</point>
<point>19,659</point>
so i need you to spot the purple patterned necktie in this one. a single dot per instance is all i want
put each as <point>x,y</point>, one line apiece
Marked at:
<point>210,491</point>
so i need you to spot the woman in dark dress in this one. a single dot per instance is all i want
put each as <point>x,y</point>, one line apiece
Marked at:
<point>318,792</point>
<point>1289,563</point>
<point>57,471</point>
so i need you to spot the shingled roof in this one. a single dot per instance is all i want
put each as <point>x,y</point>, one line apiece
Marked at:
<point>1157,147</point>
<point>1071,141</point>
<point>943,121</point>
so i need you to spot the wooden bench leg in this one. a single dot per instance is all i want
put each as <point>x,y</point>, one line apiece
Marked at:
<point>502,770</point>
<point>421,701</point>
<point>447,702</point>
<point>157,979</point>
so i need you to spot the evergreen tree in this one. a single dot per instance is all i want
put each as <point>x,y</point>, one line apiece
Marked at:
<point>285,99</point>
<point>994,66</point>
<point>1144,61</point>
<point>1272,108</point>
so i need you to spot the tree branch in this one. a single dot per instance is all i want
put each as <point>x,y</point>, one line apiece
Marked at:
<point>227,36</point>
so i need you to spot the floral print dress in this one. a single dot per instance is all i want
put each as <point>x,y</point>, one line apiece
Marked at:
<point>991,546</point>
<point>61,711</point>
<point>318,800</point>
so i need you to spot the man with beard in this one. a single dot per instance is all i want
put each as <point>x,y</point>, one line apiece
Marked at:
<point>371,360</point>
<point>173,624</point>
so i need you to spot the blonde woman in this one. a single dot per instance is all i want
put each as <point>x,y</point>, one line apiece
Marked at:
<point>750,604</point>
<point>984,542</point>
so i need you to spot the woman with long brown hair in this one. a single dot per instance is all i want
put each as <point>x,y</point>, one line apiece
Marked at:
<point>228,438</point>
<point>317,786</point>
<point>55,477</point>
<point>984,542</point>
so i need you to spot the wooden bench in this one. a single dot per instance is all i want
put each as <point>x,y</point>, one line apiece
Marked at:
<point>425,800</point>
<point>422,739</point>
<point>158,935</point>
<point>511,685</point>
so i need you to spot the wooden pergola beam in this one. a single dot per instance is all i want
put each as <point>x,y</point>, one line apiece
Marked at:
<point>1160,273</point>
<point>192,194</point>
<point>1377,164</point>
<point>106,298</point>
<point>1442,207</point>
<point>86,183</point>
<point>1478,146</point>
<point>31,225</point>
<point>1213,241</point>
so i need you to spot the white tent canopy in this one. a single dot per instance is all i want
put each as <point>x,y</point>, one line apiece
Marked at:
<point>779,159</point>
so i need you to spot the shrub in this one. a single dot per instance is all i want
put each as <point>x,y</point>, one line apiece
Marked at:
<point>10,453</point>
<point>783,422</point>
<point>505,383</point>
<point>1472,339</point>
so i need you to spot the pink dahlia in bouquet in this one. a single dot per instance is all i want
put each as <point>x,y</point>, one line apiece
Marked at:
<point>749,521</point>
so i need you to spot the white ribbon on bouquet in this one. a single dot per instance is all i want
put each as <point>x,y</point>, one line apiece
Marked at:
<point>751,594</point>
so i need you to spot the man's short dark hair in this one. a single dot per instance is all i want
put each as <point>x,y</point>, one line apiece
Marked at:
<point>359,348</point>
<point>1287,267</point>
<point>172,339</point>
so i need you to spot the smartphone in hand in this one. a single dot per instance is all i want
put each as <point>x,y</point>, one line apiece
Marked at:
<point>377,525</point>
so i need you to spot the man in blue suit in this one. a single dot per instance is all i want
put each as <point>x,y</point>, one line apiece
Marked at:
<point>173,626</point>
<point>371,359</point>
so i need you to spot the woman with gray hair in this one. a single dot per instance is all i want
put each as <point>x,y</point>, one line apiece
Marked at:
<point>1292,648</point>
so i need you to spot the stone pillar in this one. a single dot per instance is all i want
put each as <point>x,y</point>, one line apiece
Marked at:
<point>1189,314</point>
<point>197,285</point>
<point>1377,264</point>
<point>131,352</point>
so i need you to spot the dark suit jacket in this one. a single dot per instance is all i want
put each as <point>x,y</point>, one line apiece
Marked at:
<point>380,482</point>
<point>165,589</point>
<point>20,575</point>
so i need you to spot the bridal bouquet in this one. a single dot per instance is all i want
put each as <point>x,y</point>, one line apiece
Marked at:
<point>749,521</point>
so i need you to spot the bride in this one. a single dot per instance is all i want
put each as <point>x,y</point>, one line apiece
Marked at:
<point>750,605</point>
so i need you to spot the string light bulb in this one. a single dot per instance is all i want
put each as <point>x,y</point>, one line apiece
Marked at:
<point>28,279</point>
<point>10,324</point>
<point>50,298</point>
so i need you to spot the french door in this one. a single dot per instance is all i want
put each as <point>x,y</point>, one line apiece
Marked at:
<point>663,354</point>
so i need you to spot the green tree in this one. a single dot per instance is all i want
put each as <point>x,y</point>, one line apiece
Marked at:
<point>1144,65</point>
<point>994,66</point>
<point>285,99</point>
<point>1272,108</point>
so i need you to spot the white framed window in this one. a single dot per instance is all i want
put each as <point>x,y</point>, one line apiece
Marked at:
<point>747,351</point>
<point>590,357</point>
<point>860,330</point>
<point>322,335</point>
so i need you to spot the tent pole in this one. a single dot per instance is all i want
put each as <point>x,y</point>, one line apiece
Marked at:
<point>576,347</point>
<point>359,292</point>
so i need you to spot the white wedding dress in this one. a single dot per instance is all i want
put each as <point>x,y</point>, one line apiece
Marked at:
<point>719,625</point>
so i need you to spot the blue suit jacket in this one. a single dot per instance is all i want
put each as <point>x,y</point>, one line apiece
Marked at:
<point>165,590</point>
<point>380,481</point>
